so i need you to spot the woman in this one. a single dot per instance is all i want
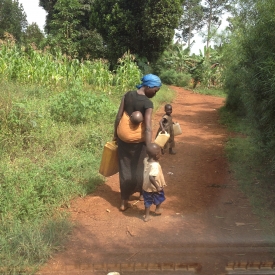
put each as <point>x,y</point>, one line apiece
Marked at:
<point>132,139</point>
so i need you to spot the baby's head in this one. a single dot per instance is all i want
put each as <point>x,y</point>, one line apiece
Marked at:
<point>136,117</point>
<point>153,151</point>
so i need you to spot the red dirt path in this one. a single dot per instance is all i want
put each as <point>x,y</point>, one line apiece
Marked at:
<point>207,225</point>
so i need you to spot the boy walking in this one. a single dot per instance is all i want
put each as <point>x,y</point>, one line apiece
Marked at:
<point>153,181</point>
<point>166,125</point>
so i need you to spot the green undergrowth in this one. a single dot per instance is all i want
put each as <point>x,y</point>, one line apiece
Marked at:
<point>51,143</point>
<point>210,91</point>
<point>251,169</point>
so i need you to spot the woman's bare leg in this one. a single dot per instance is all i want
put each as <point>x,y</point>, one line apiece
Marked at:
<point>124,205</point>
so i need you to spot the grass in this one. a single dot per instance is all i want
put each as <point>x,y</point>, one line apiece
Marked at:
<point>251,169</point>
<point>210,91</point>
<point>46,162</point>
<point>164,95</point>
<point>27,245</point>
<point>51,141</point>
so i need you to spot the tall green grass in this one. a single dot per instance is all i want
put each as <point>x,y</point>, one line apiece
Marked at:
<point>44,164</point>
<point>51,141</point>
<point>210,91</point>
<point>33,67</point>
<point>251,168</point>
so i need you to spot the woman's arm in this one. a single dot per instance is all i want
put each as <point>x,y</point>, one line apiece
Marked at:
<point>118,117</point>
<point>148,126</point>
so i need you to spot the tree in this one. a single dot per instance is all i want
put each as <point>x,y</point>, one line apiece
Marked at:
<point>191,20</point>
<point>250,72</point>
<point>82,40</point>
<point>12,19</point>
<point>48,6</point>
<point>65,26</point>
<point>145,27</point>
<point>213,10</point>
<point>33,34</point>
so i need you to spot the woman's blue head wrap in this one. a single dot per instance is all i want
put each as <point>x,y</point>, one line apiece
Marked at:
<point>150,80</point>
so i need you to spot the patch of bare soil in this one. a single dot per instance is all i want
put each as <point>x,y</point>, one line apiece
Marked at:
<point>207,225</point>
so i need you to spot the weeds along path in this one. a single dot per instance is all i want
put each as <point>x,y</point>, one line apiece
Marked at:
<point>207,225</point>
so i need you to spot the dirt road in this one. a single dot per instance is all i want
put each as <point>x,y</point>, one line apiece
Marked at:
<point>207,226</point>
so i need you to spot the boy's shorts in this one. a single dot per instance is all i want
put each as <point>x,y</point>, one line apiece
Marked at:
<point>155,198</point>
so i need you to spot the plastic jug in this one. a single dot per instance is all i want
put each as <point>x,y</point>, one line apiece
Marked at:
<point>109,161</point>
<point>177,129</point>
<point>161,139</point>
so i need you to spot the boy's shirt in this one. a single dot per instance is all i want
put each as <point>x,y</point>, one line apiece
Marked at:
<point>152,169</point>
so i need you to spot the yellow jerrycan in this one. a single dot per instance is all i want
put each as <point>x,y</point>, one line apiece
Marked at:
<point>109,160</point>
<point>161,139</point>
<point>177,129</point>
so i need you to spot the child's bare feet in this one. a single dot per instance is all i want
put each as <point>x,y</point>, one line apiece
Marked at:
<point>146,219</point>
<point>171,151</point>
<point>158,211</point>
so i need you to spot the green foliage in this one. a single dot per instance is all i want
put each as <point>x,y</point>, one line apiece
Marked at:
<point>29,66</point>
<point>145,28</point>
<point>177,67</point>
<point>42,168</point>
<point>251,68</point>
<point>30,243</point>
<point>51,142</point>
<point>78,106</point>
<point>164,95</point>
<point>213,11</point>
<point>128,74</point>
<point>191,20</point>
<point>250,166</point>
<point>64,26</point>
<point>210,91</point>
<point>67,26</point>
<point>13,19</point>
<point>171,77</point>
<point>33,35</point>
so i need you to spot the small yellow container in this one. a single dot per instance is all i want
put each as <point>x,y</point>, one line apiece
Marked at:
<point>161,139</point>
<point>109,161</point>
<point>177,129</point>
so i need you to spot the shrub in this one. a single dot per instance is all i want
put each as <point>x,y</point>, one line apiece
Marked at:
<point>172,77</point>
<point>78,106</point>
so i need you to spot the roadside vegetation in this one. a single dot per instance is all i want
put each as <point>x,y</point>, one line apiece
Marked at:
<point>59,94</point>
<point>250,166</point>
<point>249,108</point>
<point>51,142</point>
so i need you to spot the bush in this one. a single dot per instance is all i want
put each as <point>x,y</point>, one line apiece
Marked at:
<point>78,106</point>
<point>172,77</point>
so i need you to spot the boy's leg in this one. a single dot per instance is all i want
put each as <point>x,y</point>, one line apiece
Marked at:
<point>141,196</point>
<point>171,145</point>
<point>158,210</point>
<point>171,151</point>
<point>159,198</point>
<point>147,214</point>
<point>148,201</point>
